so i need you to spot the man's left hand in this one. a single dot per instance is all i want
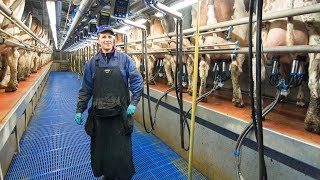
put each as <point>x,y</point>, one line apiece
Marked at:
<point>131,110</point>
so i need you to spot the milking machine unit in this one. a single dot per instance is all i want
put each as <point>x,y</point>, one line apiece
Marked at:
<point>221,72</point>
<point>184,79</point>
<point>160,70</point>
<point>179,68</point>
<point>296,75</point>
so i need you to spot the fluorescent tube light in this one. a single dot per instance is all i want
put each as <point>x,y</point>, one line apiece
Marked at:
<point>177,6</point>
<point>51,7</point>
<point>183,4</point>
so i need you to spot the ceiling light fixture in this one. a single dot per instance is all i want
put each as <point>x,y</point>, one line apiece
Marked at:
<point>51,7</point>
<point>177,6</point>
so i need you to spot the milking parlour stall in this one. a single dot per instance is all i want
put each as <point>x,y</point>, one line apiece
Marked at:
<point>231,89</point>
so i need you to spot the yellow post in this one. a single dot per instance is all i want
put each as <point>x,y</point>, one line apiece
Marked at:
<point>194,93</point>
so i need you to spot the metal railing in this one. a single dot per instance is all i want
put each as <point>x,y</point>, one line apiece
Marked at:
<point>7,13</point>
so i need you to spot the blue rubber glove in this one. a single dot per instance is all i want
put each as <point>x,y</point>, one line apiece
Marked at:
<point>131,110</point>
<point>78,118</point>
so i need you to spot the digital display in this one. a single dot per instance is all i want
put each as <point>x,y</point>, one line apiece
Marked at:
<point>85,33</point>
<point>103,19</point>
<point>121,8</point>
<point>81,35</point>
<point>92,28</point>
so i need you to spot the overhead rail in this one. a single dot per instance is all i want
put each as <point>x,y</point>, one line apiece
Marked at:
<point>166,40</point>
<point>245,50</point>
<point>13,37</point>
<point>14,44</point>
<point>21,44</point>
<point>5,11</point>
<point>96,11</point>
<point>275,15</point>
<point>83,8</point>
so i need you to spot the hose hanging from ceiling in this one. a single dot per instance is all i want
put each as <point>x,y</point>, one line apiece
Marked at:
<point>256,113</point>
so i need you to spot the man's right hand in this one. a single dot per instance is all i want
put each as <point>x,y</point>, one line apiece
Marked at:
<point>78,118</point>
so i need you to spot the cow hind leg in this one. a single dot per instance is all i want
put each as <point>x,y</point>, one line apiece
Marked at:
<point>254,74</point>
<point>167,69</point>
<point>236,71</point>
<point>35,64</point>
<point>173,66</point>
<point>151,62</point>
<point>6,78</point>
<point>312,120</point>
<point>13,64</point>
<point>190,74</point>
<point>301,101</point>
<point>203,73</point>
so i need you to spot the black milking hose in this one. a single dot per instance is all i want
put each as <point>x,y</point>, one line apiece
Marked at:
<point>251,88</point>
<point>153,77</point>
<point>148,88</point>
<point>159,100</point>
<point>252,124</point>
<point>237,151</point>
<point>262,166</point>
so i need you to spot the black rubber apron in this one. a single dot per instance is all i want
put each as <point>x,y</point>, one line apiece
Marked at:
<point>111,148</point>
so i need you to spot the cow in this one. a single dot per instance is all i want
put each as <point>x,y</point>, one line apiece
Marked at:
<point>158,26</point>
<point>186,58</point>
<point>11,54</point>
<point>21,62</point>
<point>135,34</point>
<point>213,11</point>
<point>299,30</point>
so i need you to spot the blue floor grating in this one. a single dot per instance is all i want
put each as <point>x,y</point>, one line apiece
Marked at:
<point>54,147</point>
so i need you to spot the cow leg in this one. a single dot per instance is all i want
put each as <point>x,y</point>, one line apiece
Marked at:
<point>173,66</point>
<point>263,76</point>
<point>236,70</point>
<point>312,120</point>
<point>137,62</point>
<point>20,68</point>
<point>167,68</point>
<point>151,62</point>
<point>13,57</point>
<point>301,102</point>
<point>203,73</point>
<point>35,64</point>
<point>264,33</point>
<point>6,78</point>
<point>28,65</point>
<point>190,73</point>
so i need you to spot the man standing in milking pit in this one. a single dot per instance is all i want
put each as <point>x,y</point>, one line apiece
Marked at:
<point>106,80</point>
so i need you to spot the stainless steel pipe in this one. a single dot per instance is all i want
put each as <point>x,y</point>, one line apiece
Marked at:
<point>9,14</point>
<point>83,8</point>
<point>244,50</point>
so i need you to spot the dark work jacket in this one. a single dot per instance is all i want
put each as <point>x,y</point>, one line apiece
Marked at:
<point>128,71</point>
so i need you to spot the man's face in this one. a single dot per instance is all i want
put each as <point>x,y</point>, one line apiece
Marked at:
<point>105,40</point>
